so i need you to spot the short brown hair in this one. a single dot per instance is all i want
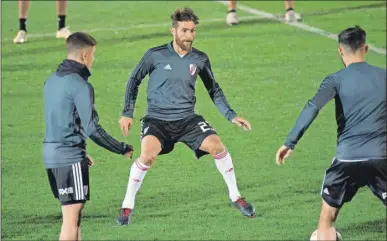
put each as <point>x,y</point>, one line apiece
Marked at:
<point>184,14</point>
<point>79,40</point>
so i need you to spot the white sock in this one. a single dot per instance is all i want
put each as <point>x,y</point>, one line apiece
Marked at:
<point>224,164</point>
<point>137,174</point>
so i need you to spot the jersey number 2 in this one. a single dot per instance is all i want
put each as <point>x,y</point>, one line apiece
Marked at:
<point>204,126</point>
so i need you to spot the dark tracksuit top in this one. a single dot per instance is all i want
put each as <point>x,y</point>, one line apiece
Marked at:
<point>70,117</point>
<point>171,87</point>
<point>359,91</point>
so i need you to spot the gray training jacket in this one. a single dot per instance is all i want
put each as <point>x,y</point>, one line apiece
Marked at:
<point>359,91</point>
<point>171,86</point>
<point>70,117</point>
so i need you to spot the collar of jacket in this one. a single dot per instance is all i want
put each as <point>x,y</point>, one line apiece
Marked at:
<point>69,66</point>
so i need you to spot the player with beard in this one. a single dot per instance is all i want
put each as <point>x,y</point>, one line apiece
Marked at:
<point>170,117</point>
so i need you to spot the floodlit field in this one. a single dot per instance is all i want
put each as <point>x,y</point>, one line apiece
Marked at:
<point>267,69</point>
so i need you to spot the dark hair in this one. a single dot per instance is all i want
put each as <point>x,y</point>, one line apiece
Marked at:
<point>184,14</point>
<point>79,40</point>
<point>353,38</point>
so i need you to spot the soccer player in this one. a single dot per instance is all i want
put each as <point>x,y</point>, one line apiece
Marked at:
<point>290,15</point>
<point>70,118</point>
<point>24,5</point>
<point>173,69</point>
<point>359,91</point>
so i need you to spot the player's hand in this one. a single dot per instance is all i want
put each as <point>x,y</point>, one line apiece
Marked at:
<point>129,154</point>
<point>90,160</point>
<point>125,124</point>
<point>244,124</point>
<point>282,153</point>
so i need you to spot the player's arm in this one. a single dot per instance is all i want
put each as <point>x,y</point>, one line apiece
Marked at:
<point>141,70</point>
<point>215,91</point>
<point>84,103</point>
<point>326,92</point>
<point>219,98</point>
<point>144,67</point>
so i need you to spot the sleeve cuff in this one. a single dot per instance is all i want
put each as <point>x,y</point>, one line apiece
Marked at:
<point>127,149</point>
<point>127,114</point>
<point>290,144</point>
<point>231,116</point>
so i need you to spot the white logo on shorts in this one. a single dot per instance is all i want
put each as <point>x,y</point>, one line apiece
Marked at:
<point>85,189</point>
<point>146,129</point>
<point>384,195</point>
<point>326,191</point>
<point>66,191</point>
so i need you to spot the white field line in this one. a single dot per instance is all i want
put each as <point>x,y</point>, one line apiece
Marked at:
<point>303,26</point>
<point>116,30</point>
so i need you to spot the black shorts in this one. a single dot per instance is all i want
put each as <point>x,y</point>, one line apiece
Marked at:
<point>343,179</point>
<point>191,131</point>
<point>70,184</point>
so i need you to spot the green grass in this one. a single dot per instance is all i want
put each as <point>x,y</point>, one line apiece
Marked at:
<point>267,70</point>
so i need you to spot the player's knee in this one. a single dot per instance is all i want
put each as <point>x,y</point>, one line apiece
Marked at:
<point>216,148</point>
<point>148,158</point>
<point>72,214</point>
<point>71,222</point>
<point>213,145</point>
<point>327,217</point>
<point>328,214</point>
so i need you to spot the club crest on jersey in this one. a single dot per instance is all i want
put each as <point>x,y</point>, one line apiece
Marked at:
<point>192,69</point>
